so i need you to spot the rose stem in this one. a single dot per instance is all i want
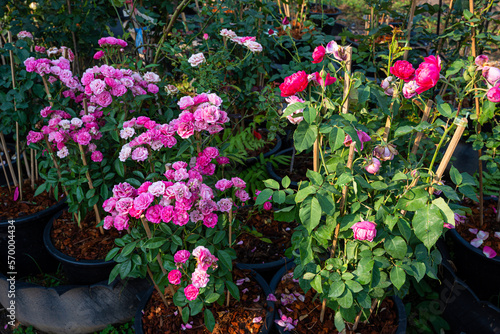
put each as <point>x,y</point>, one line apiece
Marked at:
<point>158,258</point>
<point>32,160</point>
<point>293,159</point>
<point>26,163</point>
<point>91,186</point>
<point>347,80</point>
<point>342,212</point>
<point>228,295</point>
<point>410,26</point>
<point>425,116</point>
<point>438,50</point>
<point>449,152</point>
<point>18,161</point>
<point>478,126</point>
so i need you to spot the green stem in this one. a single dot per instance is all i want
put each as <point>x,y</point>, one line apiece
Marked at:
<point>439,147</point>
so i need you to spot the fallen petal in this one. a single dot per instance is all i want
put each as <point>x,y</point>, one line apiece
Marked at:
<point>16,194</point>
<point>272,298</point>
<point>256,299</point>
<point>483,235</point>
<point>257,319</point>
<point>489,252</point>
<point>473,230</point>
<point>245,290</point>
<point>497,235</point>
<point>476,242</point>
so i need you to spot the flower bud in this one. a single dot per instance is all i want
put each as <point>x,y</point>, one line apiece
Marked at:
<point>374,167</point>
<point>415,173</point>
<point>385,152</point>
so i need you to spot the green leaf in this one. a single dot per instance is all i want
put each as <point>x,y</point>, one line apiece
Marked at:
<point>112,254</point>
<point>225,259</point>
<point>114,273</point>
<point>395,246</point>
<point>176,240</point>
<point>41,188</point>
<point>310,214</point>
<point>155,242</point>
<point>346,299</point>
<point>303,193</point>
<point>327,203</point>
<point>279,197</point>
<point>304,136</point>
<point>337,137</point>
<point>379,185</point>
<point>336,289</point>
<point>212,298</point>
<point>398,277</point>
<point>273,184</point>
<point>125,268</point>
<point>185,314</point>
<point>310,114</point>
<point>129,248</point>
<point>354,286</point>
<point>90,193</point>
<point>263,196</point>
<point>418,270</point>
<point>293,108</point>
<point>120,170</point>
<point>344,179</point>
<point>448,214</point>
<point>445,110</point>
<point>233,289</point>
<point>339,322</point>
<point>196,306</point>
<point>309,276</point>
<point>79,194</point>
<point>413,200</point>
<point>209,320</point>
<point>487,112</point>
<point>317,284</point>
<point>428,225</point>
<point>285,182</point>
<point>403,130</point>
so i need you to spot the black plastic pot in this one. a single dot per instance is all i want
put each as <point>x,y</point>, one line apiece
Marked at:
<point>270,305</point>
<point>479,272</point>
<point>460,306</point>
<point>398,302</point>
<point>30,255</point>
<point>77,271</point>
<point>269,269</point>
<point>74,309</point>
<point>276,148</point>
<point>327,15</point>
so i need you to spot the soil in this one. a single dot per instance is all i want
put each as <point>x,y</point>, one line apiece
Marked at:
<point>489,225</point>
<point>85,243</point>
<point>297,30</point>
<point>300,166</point>
<point>30,204</point>
<point>253,249</point>
<point>237,319</point>
<point>383,321</point>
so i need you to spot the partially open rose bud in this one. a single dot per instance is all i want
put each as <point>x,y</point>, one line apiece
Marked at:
<point>385,152</point>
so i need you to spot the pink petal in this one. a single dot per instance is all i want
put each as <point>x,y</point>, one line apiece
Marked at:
<point>256,299</point>
<point>497,235</point>
<point>257,319</point>
<point>245,290</point>
<point>476,242</point>
<point>483,235</point>
<point>16,194</point>
<point>272,297</point>
<point>489,252</point>
<point>473,230</point>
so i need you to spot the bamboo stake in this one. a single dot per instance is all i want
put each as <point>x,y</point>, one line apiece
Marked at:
<point>347,80</point>
<point>32,156</point>
<point>157,287</point>
<point>5,174</point>
<point>26,163</point>
<point>410,26</point>
<point>158,258</point>
<point>228,295</point>
<point>7,158</point>
<point>449,152</point>
<point>316,155</point>
<point>91,186</point>
<point>18,160</point>
<point>350,159</point>
<point>425,116</point>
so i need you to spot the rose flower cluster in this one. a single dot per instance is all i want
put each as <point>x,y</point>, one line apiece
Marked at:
<point>182,199</point>
<point>199,278</point>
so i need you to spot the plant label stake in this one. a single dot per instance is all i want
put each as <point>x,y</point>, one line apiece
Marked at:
<point>347,80</point>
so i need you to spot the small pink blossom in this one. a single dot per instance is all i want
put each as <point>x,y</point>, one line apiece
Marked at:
<point>96,156</point>
<point>174,277</point>
<point>364,230</point>
<point>181,256</point>
<point>373,167</point>
<point>191,292</point>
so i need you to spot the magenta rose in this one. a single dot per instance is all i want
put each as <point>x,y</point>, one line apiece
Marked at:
<point>294,84</point>
<point>153,214</point>
<point>427,74</point>
<point>124,189</point>
<point>191,292</point>
<point>96,156</point>
<point>318,54</point>
<point>167,213</point>
<point>238,183</point>
<point>123,205</point>
<point>109,204</point>
<point>143,201</point>
<point>223,184</point>
<point>121,222</point>
<point>181,256</point>
<point>494,94</point>
<point>364,230</point>
<point>403,70</point>
<point>210,220</point>
<point>174,277</point>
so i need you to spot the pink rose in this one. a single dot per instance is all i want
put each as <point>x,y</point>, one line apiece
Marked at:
<point>294,84</point>
<point>403,70</point>
<point>153,214</point>
<point>427,74</point>
<point>181,256</point>
<point>410,89</point>
<point>143,201</point>
<point>152,88</point>
<point>329,80</point>
<point>124,189</point>
<point>480,61</point>
<point>98,55</point>
<point>268,206</point>
<point>205,36</point>
<point>140,154</point>
<point>200,278</point>
<point>242,195</point>
<point>210,220</point>
<point>374,166</point>
<point>491,74</point>
<point>123,205</point>
<point>223,184</point>
<point>121,222</point>
<point>185,130</point>
<point>167,213</point>
<point>385,152</point>
<point>83,138</point>
<point>222,160</point>
<point>238,183</point>
<point>318,54</point>
<point>185,102</point>
<point>494,94</point>
<point>364,230</point>
<point>96,156</point>
<point>174,277</point>
<point>109,204</point>
<point>191,292</point>
<point>104,99</point>
<point>108,222</point>
<point>225,205</point>
<point>196,59</point>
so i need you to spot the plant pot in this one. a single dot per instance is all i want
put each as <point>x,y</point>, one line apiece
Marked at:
<point>77,271</point>
<point>401,312</point>
<point>460,306</point>
<point>12,152</point>
<point>478,271</point>
<point>74,309</point>
<point>265,287</point>
<point>328,11</point>
<point>275,176</point>
<point>30,255</point>
<point>268,270</point>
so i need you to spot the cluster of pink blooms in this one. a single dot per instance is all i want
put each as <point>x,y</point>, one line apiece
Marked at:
<point>492,76</point>
<point>63,129</point>
<point>56,69</point>
<point>24,34</point>
<point>102,83</point>
<point>416,81</point>
<point>199,278</point>
<point>148,136</point>
<point>181,199</point>
<point>332,48</point>
<point>247,41</point>
<point>112,41</point>
<point>298,82</point>
<point>199,113</point>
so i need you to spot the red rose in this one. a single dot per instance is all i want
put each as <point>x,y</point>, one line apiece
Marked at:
<point>427,74</point>
<point>329,80</point>
<point>293,84</point>
<point>318,54</point>
<point>403,70</point>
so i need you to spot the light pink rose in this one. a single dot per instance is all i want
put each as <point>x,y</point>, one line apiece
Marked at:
<point>364,230</point>
<point>200,278</point>
<point>373,167</point>
<point>143,201</point>
<point>196,59</point>
<point>140,154</point>
<point>181,256</point>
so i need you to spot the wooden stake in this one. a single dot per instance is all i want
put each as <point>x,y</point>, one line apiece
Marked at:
<point>157,287</point>
<point>316,155</point>
<point>32,156</point>
<point>449,152</point>
<point>5,174</point>
<point>350,159</point>
<point>7,158</point>
<point>228,295</point>
<point>18,160</point>
<point>387,128</point>
<point>347,80</point>
<point>26,163</point>
<point>91,186</point>
<point>410,26</point>
<point>425,116</point>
